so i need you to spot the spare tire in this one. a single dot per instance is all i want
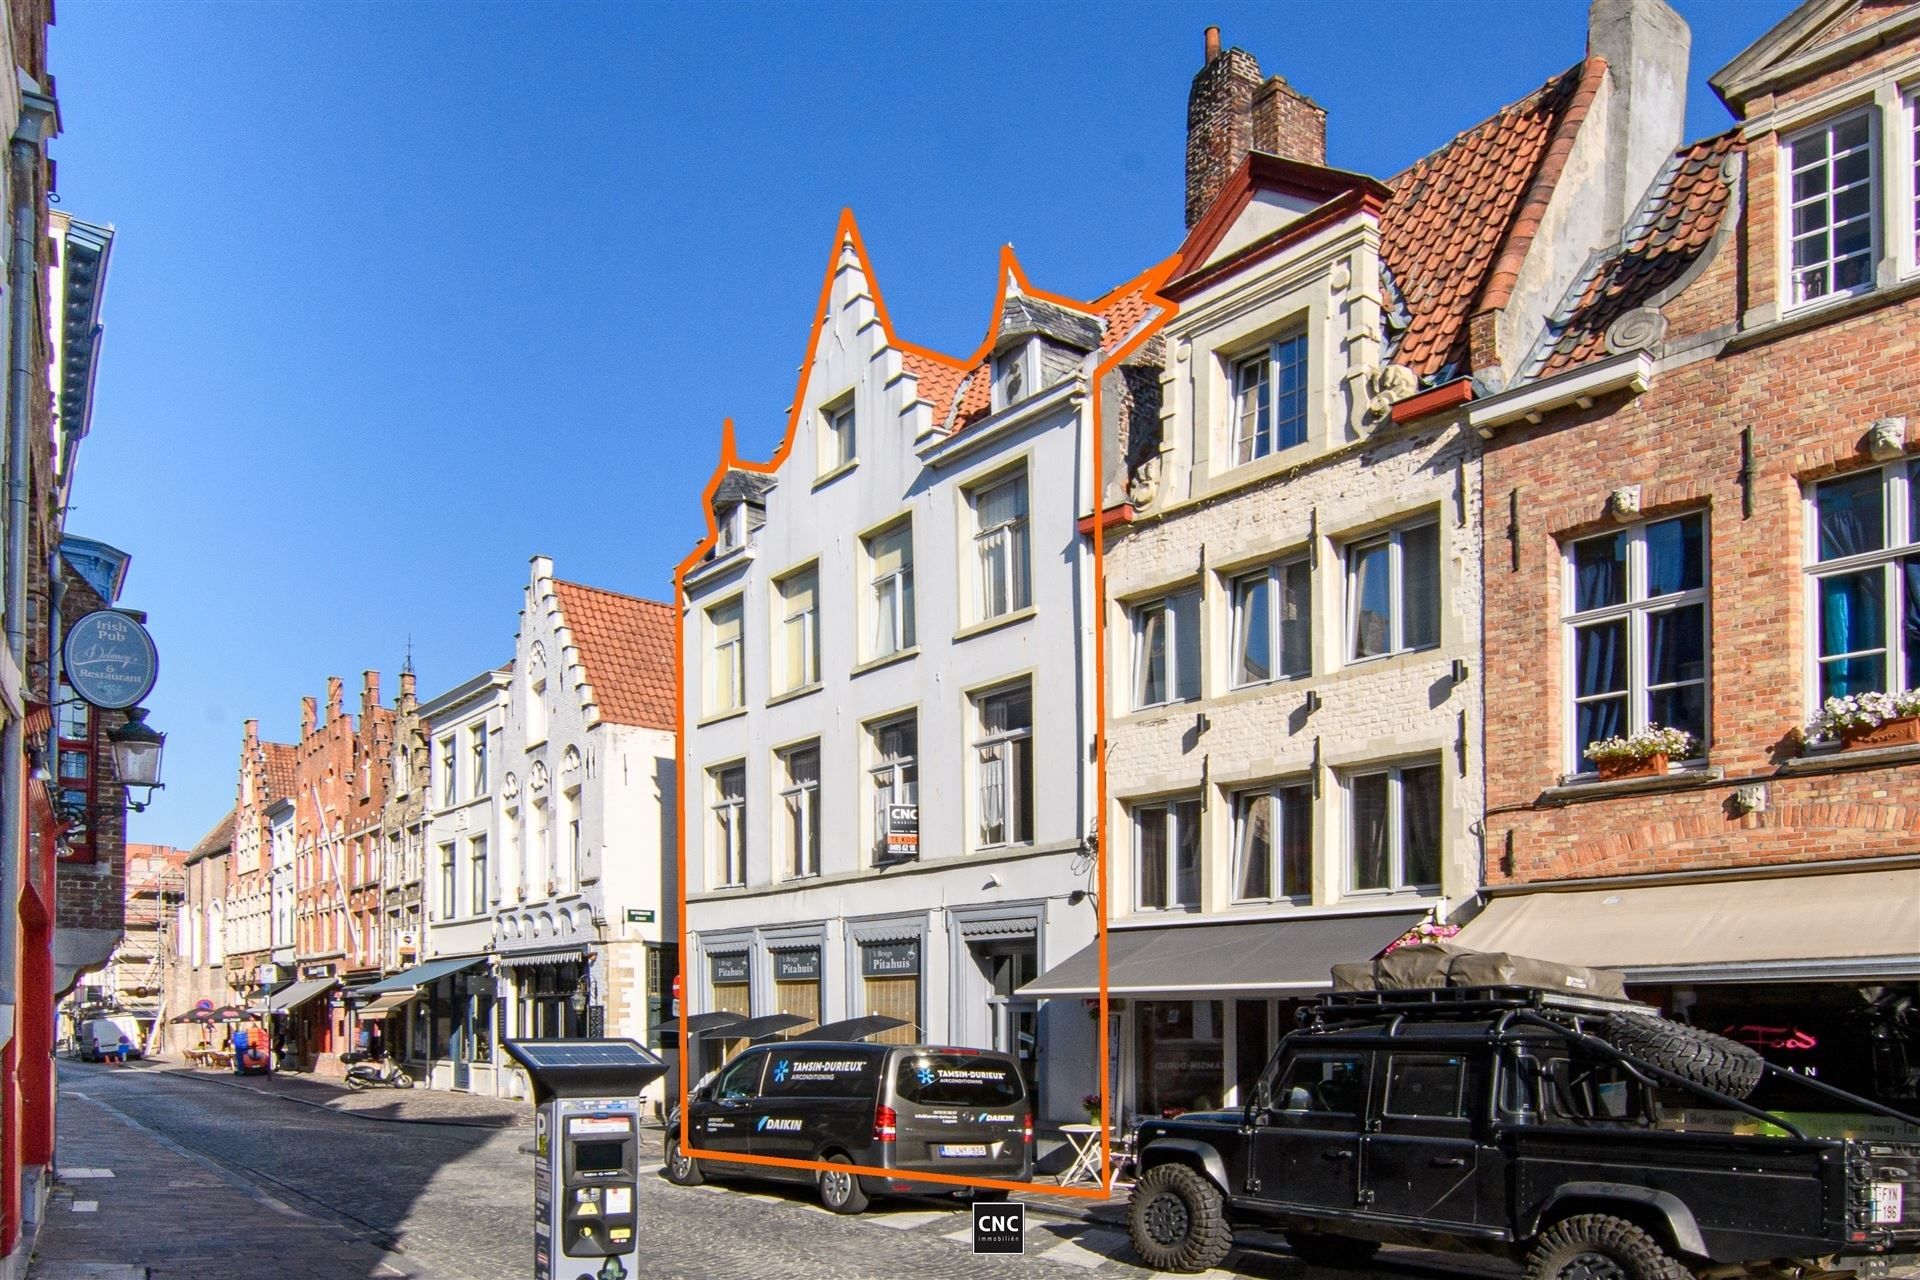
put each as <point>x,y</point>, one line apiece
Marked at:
<point>1688,1052</point>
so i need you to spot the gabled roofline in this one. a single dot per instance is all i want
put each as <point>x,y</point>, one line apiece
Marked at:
<point>440,704</point>
<point>1311,223</point>
<point>1775,59</point>
<point>1261,171</point>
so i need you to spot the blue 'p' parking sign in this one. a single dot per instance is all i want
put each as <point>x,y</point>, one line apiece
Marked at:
<point>110,660</point>
<point>999,1226</point>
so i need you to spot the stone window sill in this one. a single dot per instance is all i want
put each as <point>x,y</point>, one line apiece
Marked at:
<point>793,694</point>
<point>994,624</point>
<point>898,655</point>
<point>1594,789</point>
<point>720,717</point>
<point>1833,758</point>
<point>826,478</point>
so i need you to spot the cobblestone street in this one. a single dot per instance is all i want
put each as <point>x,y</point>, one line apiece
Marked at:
<point>214,1177</point>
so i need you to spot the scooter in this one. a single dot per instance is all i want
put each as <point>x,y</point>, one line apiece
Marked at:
<point>362,1074</point>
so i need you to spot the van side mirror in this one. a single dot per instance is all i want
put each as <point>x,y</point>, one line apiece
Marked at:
<point>703,1094</point>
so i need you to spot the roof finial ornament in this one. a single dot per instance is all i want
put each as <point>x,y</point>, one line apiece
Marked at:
<point>406,667</point>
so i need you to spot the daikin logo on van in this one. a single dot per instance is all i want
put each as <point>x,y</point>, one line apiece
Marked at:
<point>988,1117</point>
<point>778,1125</point>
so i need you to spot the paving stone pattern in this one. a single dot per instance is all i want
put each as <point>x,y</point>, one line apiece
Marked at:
<point>218,1181</point>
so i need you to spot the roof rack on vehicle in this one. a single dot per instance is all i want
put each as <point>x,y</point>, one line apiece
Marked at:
<point>1454,1001</point>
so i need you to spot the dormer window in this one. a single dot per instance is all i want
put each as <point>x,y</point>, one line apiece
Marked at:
<point>1270,399</point>
<point>1831,198</point>
<point>733,527</point>
<point>1013,379</point>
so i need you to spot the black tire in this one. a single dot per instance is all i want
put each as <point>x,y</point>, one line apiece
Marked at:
<point>1176,1221</point>
<point>1596,1246</point>
<point>1331,1251</point>
<point>841,1192</point>
<point>682,1169</point>
<point>401,1080</point>
<point>1690,1053</point>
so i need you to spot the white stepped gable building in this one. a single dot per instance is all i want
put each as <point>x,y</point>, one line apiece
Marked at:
<point>888,698</point>
<point>583,885</point>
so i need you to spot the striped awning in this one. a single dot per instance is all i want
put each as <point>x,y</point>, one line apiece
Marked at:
<point>534,959</point>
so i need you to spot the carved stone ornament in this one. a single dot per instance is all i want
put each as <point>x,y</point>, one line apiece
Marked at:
<point>1623,504</point>
<point>1750,798</point>
<point>510,787</point>
<point>1387,385</point>
<point>570,762</point>
<point>537,776</point>
<point>1887,439</point>
<point>1143,484</point>
<point>1641,329</point>
<point>1340,277</point>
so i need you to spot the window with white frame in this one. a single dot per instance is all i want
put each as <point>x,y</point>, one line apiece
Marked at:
<point>730,527</point>
<point>890,575</point>
<point>477,875</point>
<point>1394,829</point>
<point>1865,570</point>
<point>837,440</point>
<point>1273,843</point>
<point>1166,843</point>
<point>569,860</point>
<point>449,898</point>
<point>800,800</point>
<point>1000,545</point>
<point>1638,627</point>
<point>727,681</point>
<point>1270,399</point>
<point>799,628</point>
<point>894,777</point>
<point>1166,650</point>
<point>1393,592</point>
<point>477,758</point>
<point>1003,763</point>
<point>730,825</point>
<point>1830,201</point>
<point>1272,632</point>
<point>449,773</point>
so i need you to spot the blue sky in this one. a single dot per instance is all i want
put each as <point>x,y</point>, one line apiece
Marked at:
<point>403,295</point>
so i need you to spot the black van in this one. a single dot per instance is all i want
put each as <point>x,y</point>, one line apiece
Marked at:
<point>910,1108</point>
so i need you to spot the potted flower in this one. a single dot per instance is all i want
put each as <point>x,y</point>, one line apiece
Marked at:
<point>1872,719</point>
<point>1091,1102</point>
<point>1639,754</point>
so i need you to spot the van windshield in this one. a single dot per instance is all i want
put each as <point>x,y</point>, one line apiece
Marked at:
<point>934,1078</point>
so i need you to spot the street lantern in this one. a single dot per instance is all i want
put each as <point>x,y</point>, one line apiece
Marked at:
<point>579,998</point>
<point>136,748</point>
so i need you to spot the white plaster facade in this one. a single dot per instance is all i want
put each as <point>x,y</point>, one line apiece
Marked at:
<point>583,810</point>
<point>1307,739</point>
<point>280,875</point>
<point>979,907</point>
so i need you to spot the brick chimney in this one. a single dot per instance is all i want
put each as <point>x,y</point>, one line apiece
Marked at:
<point>308,713</point>
<point>1231,111</point>
<point>406,688</point>
<point>1645,45</point>
<point>336,688</point>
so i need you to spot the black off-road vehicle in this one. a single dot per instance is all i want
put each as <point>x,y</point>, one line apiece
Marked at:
<point>1587,1136</point>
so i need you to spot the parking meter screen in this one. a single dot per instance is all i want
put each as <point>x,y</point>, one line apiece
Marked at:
<point>598,1157</point>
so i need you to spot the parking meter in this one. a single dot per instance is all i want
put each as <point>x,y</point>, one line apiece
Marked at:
<point>586,1193</point>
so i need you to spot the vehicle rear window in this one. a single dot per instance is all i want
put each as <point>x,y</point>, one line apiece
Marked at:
<point>932,1078</point>
<point>820,1073</point>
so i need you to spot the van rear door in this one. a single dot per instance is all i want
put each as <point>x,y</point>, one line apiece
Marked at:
<point>959,1111</point>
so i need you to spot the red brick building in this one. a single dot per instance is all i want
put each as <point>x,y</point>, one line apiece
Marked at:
<point>1702,509</point>
<point>340,788</point>
<point>266,779</point>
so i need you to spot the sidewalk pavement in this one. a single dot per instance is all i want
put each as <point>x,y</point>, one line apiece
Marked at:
<point>128,1204</point>
<point>404,1106</point>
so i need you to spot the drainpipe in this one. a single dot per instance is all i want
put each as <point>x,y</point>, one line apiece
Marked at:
<point>39,120</point>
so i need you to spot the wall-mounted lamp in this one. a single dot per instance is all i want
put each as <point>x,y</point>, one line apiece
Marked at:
<point>1459,670</point>
<point>1313,701</point>
<point>137,747</point>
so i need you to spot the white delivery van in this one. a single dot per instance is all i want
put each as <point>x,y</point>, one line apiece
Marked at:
<point>100,1037</point>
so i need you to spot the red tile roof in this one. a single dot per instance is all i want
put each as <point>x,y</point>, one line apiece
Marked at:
<point>281,758</point>
<point>1460,219</point>
<point>1683,214</point>
<point>626,646</point>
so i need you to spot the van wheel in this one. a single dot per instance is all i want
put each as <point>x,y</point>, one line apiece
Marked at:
<point>1175,1221</point>
<point>841,1191</point>
<point>1596,1246</point>
<point>1331,1251</point>
<point>682,1169</point>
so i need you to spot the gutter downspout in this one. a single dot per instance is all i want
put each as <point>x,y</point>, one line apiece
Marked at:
<point>39,119</point>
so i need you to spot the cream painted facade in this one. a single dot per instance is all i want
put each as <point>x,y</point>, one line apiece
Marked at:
<point>1317,739</point>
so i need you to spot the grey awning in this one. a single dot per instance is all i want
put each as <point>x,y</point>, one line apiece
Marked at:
<point>1255,957</point>
<point>298,994</point>
<point>419,976</point>
<point>1812,926</point>
<point>533,959</point>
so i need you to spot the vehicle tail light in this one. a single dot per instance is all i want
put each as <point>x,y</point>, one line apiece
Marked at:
<point>886,1124</point>
<point>1026,1128</point>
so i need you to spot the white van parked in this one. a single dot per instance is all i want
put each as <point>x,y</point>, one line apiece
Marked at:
<point>99,1038</point>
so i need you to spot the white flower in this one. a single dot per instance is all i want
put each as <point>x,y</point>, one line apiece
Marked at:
<point>1675,744</point>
